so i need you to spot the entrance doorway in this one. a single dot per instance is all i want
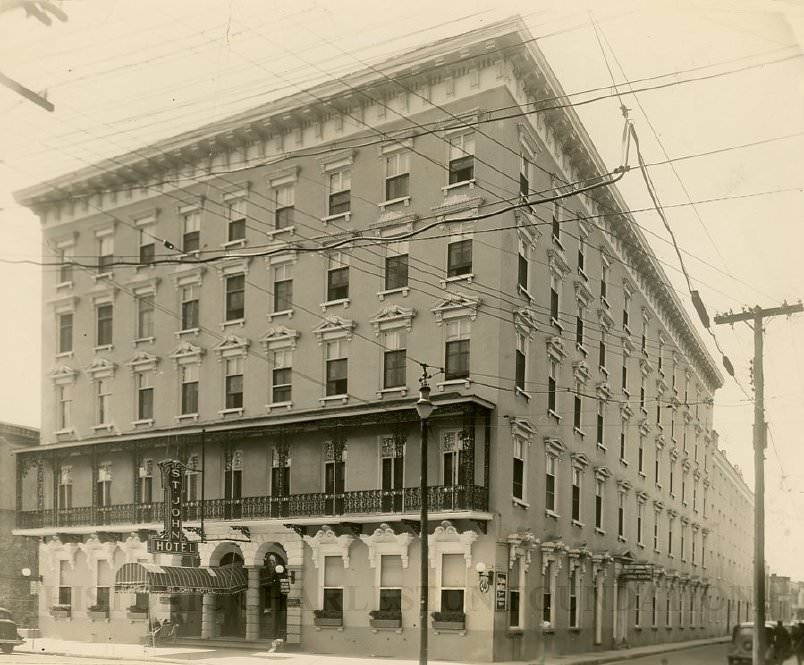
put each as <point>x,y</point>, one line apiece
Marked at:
<point>231,608</point>
<point>273,603</point>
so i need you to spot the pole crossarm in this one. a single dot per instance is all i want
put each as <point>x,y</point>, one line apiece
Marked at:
<point>752,314</point>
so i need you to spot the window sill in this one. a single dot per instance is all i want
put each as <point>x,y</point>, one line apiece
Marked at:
<point>552,513</point>
<point>233,244</point>
<point>578,523</point>
<point>103,275</point>
<point>468,277</point>
<point>65,354</point>
<point>579,432</point>
<point>290,230</point>
<point>603,370</point>
<point>583,274</point>
<point>602,447</point>
<point>554,415</point>
<point>144,266</point>
<point>234,322</point>
<point>600,531</point>
<point>231,412</point>
<point>64,432</point>
<point>554,322</point>
<point>623,461</point>
<point>334,303</point>
<point>145,422</point>
<point>102,347</point>
<point>402,390</point>
<point>462,183</point>
<point>345,216</point>
<point>643,410</point>
<point>520,503</point>
<point>641,545</point>
<point>604,302</point>
<point>627,392</point>
<point>107,427</point>
<point>188,331</point>
<point>523,291</point>
<point>404,290</point>
<point>557,242</point>
<point>656,550</point>
<point>144,340</point>
<point>453,382</point>
<point>582,349</point>
<point>519,391</point>
<point>187,416</point>
<point>513,631</point>
<point>64,285</point>
<point>278,405</point>
<point>405,200</point>
<point>621,539</point>
<point>343,399</point>
<point>284,312</point>
<point>643,474</point>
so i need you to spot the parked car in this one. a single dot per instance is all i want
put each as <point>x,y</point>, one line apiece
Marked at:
<point>9,637</point>
<point>742,642</point>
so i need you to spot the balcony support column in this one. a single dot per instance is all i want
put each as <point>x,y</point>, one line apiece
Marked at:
<point>253,603</point>
<point>294,618</point>
<point>208,616</point>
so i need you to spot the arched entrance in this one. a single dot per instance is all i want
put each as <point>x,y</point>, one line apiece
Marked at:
<point>273,602</point>
<point>230,609</point>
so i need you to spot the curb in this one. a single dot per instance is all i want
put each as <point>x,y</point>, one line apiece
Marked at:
<point>73,654</point>
<point>642,654</point>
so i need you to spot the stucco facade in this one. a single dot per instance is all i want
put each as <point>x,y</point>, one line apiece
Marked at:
<point>572,439</point>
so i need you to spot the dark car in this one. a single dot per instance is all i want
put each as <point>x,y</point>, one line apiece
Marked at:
<point>9,637</point>
<point>742,642</point>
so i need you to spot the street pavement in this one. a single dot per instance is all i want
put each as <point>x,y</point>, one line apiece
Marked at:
<point>45,659</point>
<point>708,655</point>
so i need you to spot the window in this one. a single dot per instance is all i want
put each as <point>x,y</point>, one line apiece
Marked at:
<point>621,514</point>
<point>683,543</point>
<point>337,368</point>
<point>103,315</point>
<point>554,292</point>
<point>576,494</point>
<point>582,255</point>
<point>65,583</point>
<point>189,390</point>
<point>659,414</point>
<point>145,482</point>
<point>640,520</point>
<point>145,396</point>
<point>283,288</point>
<point>338,277</point>
<point>547,595</point>
<point>624,375</point>
<point>641,455</point>
<point>65,333</point>
<point>65,256</point>
<point>333,583</point>
<point>235,297</point>
<point>284,206</point>
<point>642,391</point>
<point>644,345</point>
<point>672,476</point>
<point>191,238</point>
<point>105,254</point>
<point>281,376</point>
<point>103,401</point>
<point>457,349</point>
<point>233,387</point>
<point>654,612</point>
<point>602,353</point>
<point>524,175</point>
<point>601,411</point>
<point>188,296</point>
<point>684,487</point>
<point>660,357</point>
<point>556,223</point>
<point>514,600</point>
<point>604,278</point>
<point>519,355</point>
<point>65,497</point>
<point>574,614</point>
<point>459,258</point>
<point>280,480</point>
<point>147,244</point>
<point>670,536</point>
<point>192,479</point>
<point>397,175</point>
<point>461,158</point>
<point>394,359</point>
<point>104,485</point>
<point>451,460</point>
<point>390,583</point>
<point>453,582</point>
<point>656,531</point>
<point>692,548</point>
<point>624,441</point>
<point>522,266</point>
<point>577,416</point>
<point>579,326</point>
<point>552,387</point>
<point>599,487</point>
<point>396,266</point>
<point>102,596</point>
<point>236,216</point>
<point>637,608</point>
<point>340,195</point>
<point>551,467</point>
<point>145,317</point>
<point>518,489</point>
<point>233,484</point>
<point>668,610</point>
<point>65,407</point>
<point>657,468</point>
<point>392,454</point>
<point>626,311</point>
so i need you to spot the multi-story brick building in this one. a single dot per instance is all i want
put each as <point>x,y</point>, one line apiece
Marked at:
<point>265,290</point>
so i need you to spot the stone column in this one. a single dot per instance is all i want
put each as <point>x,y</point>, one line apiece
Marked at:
<point>208,616</point>
<point>294,600</point>
<point>253,604</point>
<point>615,595</point>
<point>599,594</point>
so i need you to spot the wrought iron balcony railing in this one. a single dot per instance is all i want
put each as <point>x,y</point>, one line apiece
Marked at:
<point>455,498</point>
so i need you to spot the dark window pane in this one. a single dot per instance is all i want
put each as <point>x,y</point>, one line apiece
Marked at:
<point>518,486</point>
<point>234,391</point>
<point>397,187</point>
<point>190,242</point>
<point>547,604</point>
<point>599,512</point>
<point>394,374</point>
<point>65,595</point>
<point>146,404</point>
<point>283,295</point>
<point>461,169</point>
<point>520,370</point>
<point>235,300</point>
<point>452,600</point>
<point>104,315</point>
<point>102,596</point>
<point>283,218</point>
<point>554,304</point>
<point>189,398</point>
<point>282,384</point>
<point>340,202</point>
<point>522,274</point>
<point>396,272</point>
<point>513,608</point>
<point>338,284</point>
<point>189,314</point>
<point>524,185</point>
<point>550,492</point>
<point>237,229</point>
<point>105,263</point>
<point>333,600</point>
<point>576,502</point>
<point>336,376</point>
<point>459,258</point>
<point>66,271</point>
<point>147,253</point>
<point>579,330</point>
<point>457,359</point>
<point>390,600</point>
<point>65,333</point>
<point>551,394</point>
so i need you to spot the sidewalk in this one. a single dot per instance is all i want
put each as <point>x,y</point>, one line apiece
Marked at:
<point>223,656</point>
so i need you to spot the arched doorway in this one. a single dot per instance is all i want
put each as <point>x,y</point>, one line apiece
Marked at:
<point>230,610</point>
<point>273,603</point>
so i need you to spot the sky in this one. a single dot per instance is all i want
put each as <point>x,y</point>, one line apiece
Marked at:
<point>124,73</point>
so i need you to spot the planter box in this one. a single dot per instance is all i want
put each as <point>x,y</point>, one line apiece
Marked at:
<point>449,625</point>
<point>136,616</point>
<point>61,614</point>
<point>328,621</point>
<point>100,615</point>
<point>385,623</point>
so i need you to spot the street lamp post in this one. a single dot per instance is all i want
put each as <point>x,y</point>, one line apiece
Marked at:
<point>424,407</point>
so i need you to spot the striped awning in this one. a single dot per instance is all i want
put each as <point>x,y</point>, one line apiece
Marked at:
<point>151,578</point>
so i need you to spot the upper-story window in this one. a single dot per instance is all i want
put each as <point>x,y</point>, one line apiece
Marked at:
<point>576,494</point>
<point>191,233</point>
<point>523,265</point>
<point>65,258</point>
<point>556,222</point>
<point>65,332</point>
<point>621,514</point>
<point>189,299</point>
<point>147,243</point>
<point>103,319</point>
<point>233,382</point>
<point>65,402</point>
<point>105,254</point>
<point>599,493</point>
<point>65,496</point>
<point>282,376</point>
<point>235,297</point>
<point>518,486</point>
<point>284,205</point>
<point>456,351</point>
<point>461,158</point>
<point>189,390</point>
<point>394,358</point>
<point>145,484</point>
<point>283,287</point>
<point>397,175</point>
<point>103,399</point>
<point>524,173</point>
<point>104,484</point>
<point>604,279</point>
<point>145,396</point>
<point>338,277</point>
<point>459,258</point>
<point>337,366</point>
<point>626,311</point>
<point>520,360</point>
<point>236,218</point>
<point>396,265</point>
<point>145,317</point>
<point>340,192</point>
<point>550,482</point>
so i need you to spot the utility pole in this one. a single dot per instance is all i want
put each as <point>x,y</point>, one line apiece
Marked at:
<point>757,315</point>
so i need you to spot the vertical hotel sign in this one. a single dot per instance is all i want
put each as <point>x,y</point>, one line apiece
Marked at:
<point>172,539</point>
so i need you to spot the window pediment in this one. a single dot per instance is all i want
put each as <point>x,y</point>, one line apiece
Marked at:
<point>457,202</point>
<point>187,276</point>
<point>581,371</point>
<point>187,353</point>
<point>582,292</point>
<point>554,446</point>
<point>626,411</point>
<point>628,347</point>
<point>602,473</point>
<point>525,321</point>
<point>456,306</point>
<point>326,543</point>
<point>556,348</point>
<point>392,318</point>
<point>235,266</point>
<point>603,390</point>
<point>64,305</point>
<point>446,539</point>
<point>337,160</point>
<point>624,486</point>
<point>334,327</point>
<point>606,320</point>
<point>101,368</point>
<point>557,263</point>
<point>103,296</point>
<point>523,428</point>
<point>579,460</point>
<point>645,366</point>
<point>231,346</point>
<point>143,362</point>
<point>62,374</point>
<point>385,541</point>
<point>279,338</point>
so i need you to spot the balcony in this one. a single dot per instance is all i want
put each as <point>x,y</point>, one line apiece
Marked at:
<point>442,499</point>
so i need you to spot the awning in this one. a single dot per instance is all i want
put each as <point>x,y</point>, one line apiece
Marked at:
<point>151,578</point>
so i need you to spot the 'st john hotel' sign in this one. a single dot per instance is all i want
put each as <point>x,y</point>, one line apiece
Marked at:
<point>172,539</point>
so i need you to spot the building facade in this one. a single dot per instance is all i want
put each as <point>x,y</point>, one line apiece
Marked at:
<point>265,292</point>
<point>19,553</point>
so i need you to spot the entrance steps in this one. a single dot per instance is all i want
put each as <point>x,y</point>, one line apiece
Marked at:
<point>234,643</point>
